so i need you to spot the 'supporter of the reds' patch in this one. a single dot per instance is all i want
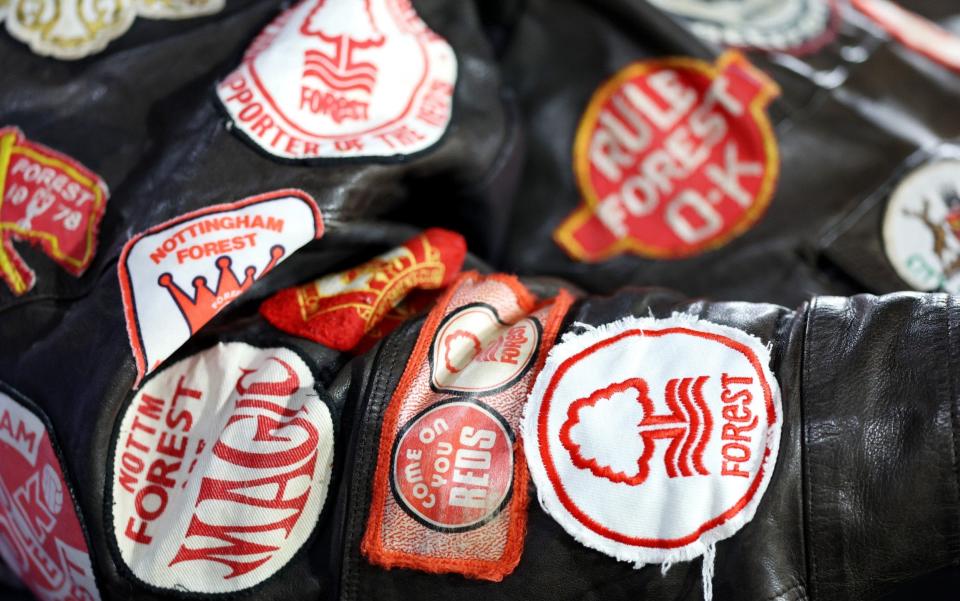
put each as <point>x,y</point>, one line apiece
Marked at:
<point>450,490</point>
<point>335,79</point>
<point>652,439</point>
<point>673,157</point>
<point>41,538</point>
<point>176,276</point>
<point>48,199</point>
<point>337,310</point>
<point>219,471</point>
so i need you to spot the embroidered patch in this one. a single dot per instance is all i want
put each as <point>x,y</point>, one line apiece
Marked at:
<point>921,227</point>
<point>69,29</point>
<point>41,538</point>
<point>220,469</point>
<point>475,352</point>
<point>178,9</point>
<point>913,31</point>
<point>650,439</point>
<point>339,309</point>
<point>73,29</point>
<point>176,276</point>
<point>673,157</point>
<point>343,78</point>
<point>785,25</point>
<point>450,490</point>
<point>48,199</point>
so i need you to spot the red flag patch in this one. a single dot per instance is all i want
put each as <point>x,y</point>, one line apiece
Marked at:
<point>48,199</point>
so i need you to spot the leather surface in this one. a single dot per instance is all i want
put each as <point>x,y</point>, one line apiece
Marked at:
<point>864,501</point>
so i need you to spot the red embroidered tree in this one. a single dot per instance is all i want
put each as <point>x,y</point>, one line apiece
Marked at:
<point>612,432</point>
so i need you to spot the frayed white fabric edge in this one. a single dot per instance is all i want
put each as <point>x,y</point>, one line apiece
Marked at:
<point>573,342</point>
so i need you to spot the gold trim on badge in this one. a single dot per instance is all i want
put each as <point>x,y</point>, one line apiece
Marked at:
<point>564,234</point>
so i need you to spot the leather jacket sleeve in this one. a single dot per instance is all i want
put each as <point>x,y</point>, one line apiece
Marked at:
<point>864,494</point>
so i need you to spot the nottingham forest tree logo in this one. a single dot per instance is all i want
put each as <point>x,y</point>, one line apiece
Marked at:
<point>346,80</point>
<point>343,78</point>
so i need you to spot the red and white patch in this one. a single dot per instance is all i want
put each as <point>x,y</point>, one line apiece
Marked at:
<point>475,352</point>
<point>50,200</point>
<point>453,465</point>
<point>450,489</point>
<point>41,538</point>
<point>673,157</point>
<point>221,467</point>
<point>913,31</point>
<point>343,78</point>
<point>337,310</point>
<point>650,439</point>
<point>176,276</point>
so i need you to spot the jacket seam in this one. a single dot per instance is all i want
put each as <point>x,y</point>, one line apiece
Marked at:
<point>352,581</point>
<point>806,485</point>
<point>951,381</point>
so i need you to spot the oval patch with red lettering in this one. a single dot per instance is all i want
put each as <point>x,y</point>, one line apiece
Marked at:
<point>220,469</point>
<point>453,465</point>
<point>650,439</point>
<point>332,79</point>
<point>673,157</point>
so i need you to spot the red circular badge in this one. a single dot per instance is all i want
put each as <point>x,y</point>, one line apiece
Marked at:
<point>673,157</point>
<point>453,465</point>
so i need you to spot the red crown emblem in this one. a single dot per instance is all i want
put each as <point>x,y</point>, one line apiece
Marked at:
<point>205,302</point>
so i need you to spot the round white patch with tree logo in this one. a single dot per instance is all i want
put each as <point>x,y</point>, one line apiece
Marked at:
<point>220,469</point>
<point>650,439</point>
<point>921,227</point>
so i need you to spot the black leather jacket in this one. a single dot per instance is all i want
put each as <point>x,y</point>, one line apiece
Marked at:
<point>864,500</point>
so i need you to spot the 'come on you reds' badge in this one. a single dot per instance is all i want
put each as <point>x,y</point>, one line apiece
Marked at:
<point>333,79</point>
<point>641,451</point>
<point>673,157</point>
